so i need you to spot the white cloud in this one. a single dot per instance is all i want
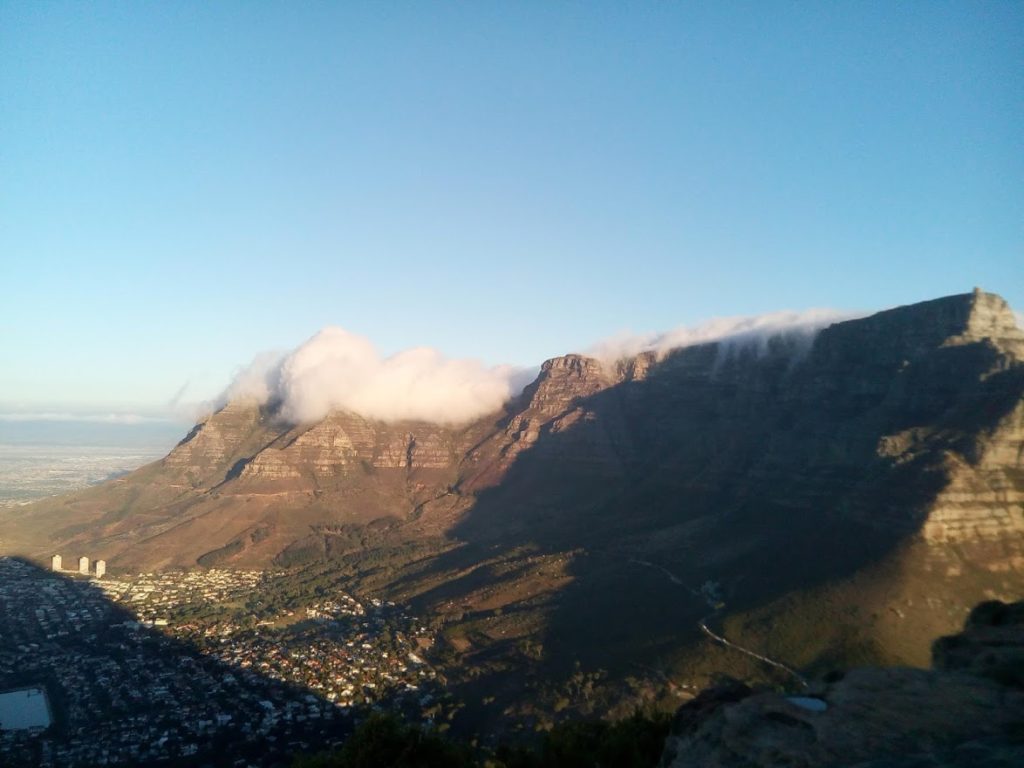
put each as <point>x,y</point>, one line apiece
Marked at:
<point>338,370</point>
<point>732,332</point>
<point>257,380</point>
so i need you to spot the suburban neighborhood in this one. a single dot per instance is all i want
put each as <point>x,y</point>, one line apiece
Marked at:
<point>127,681</point>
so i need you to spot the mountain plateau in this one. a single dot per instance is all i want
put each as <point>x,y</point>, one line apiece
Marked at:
<point>829,504</point>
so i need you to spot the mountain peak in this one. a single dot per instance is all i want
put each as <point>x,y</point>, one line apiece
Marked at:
<point>906,332</point>
<point>966,316</point>
<point>989,316</point>
<point>573,365</point>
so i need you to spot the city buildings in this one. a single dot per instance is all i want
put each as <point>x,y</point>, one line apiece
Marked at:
<point>56,565</point>
<point>185,668</point>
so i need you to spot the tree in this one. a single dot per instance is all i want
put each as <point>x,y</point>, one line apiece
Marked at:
<point>384,741</point>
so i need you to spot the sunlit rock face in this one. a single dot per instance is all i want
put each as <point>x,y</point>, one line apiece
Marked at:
<point>215,441</point>
<point>344,443</point>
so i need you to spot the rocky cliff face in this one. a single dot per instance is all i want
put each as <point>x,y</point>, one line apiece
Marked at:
<point>344,443</point>
<point>984,497</point>
<point>207,453</point>
<point>554,404</point>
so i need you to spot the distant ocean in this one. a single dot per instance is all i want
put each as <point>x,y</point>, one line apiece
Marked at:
<point>48,457</point>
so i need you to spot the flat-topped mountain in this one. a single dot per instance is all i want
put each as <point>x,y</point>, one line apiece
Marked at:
<point>825,501</point>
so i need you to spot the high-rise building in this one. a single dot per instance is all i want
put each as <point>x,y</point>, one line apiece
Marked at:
<point>55,563</point>
<point>83,566</point>
<point>101,568</point>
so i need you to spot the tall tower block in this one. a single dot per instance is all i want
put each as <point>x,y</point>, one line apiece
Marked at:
<point>101,568</point>
<point>83,566</point>
<point>55,563</point>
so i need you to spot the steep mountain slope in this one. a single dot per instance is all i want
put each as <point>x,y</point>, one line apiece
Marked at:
<point>849,505</point>
<point>826,502</point>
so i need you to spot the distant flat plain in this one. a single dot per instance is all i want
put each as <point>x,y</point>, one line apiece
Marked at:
<point>50,457</point>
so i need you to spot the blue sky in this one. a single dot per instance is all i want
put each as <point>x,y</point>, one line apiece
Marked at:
<point>183,185</point>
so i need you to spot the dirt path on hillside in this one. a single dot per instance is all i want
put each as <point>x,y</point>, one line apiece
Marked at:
<point>721,639</point>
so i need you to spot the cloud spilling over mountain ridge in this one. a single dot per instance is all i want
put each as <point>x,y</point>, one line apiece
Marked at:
<point>339,370</point>
<point>336,369</point>
<point>732,333</point>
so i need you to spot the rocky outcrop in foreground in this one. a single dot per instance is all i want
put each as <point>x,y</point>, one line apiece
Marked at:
<point>968,710</point>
